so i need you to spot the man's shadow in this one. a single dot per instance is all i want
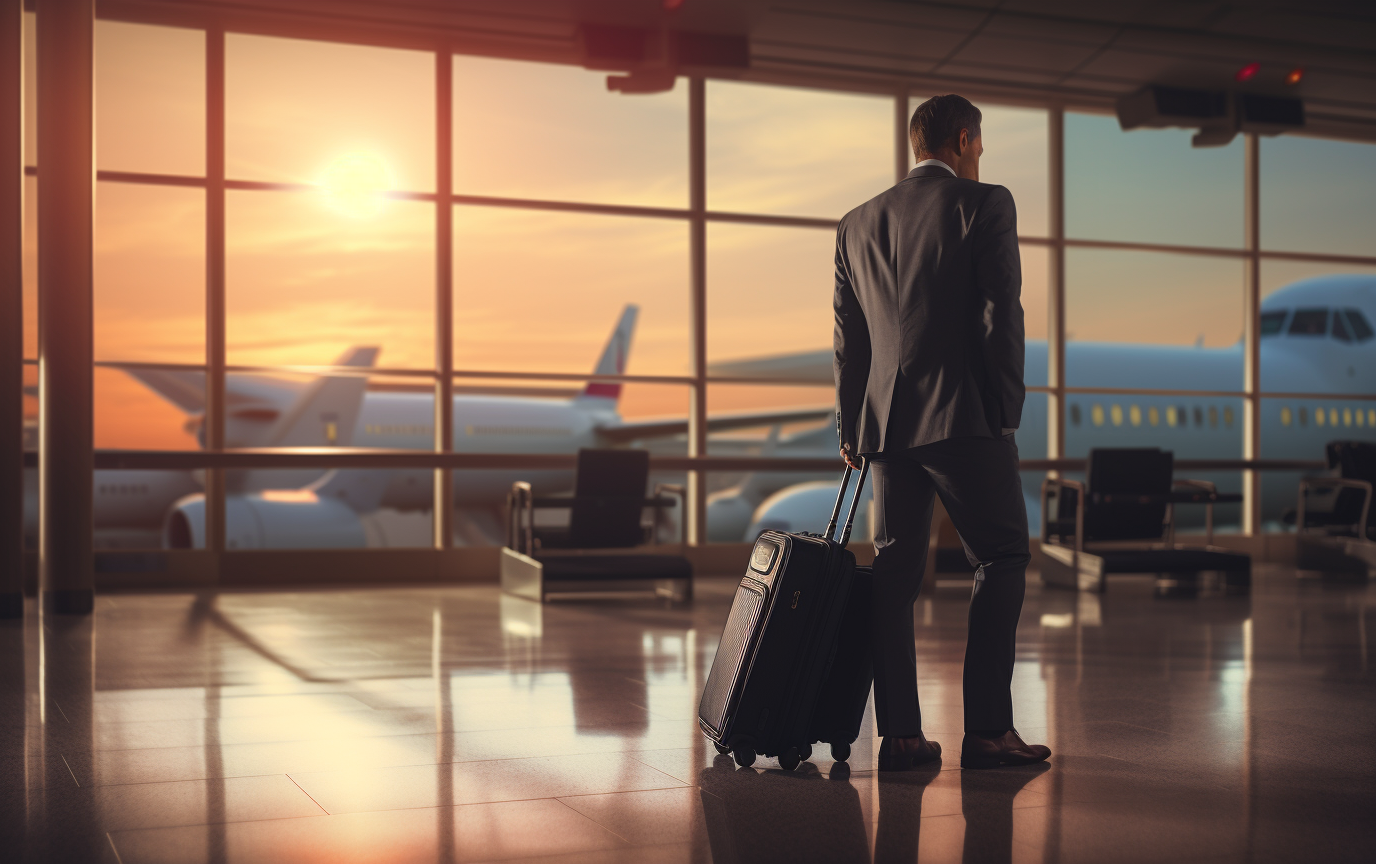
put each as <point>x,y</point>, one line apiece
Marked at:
<point>782,816</point>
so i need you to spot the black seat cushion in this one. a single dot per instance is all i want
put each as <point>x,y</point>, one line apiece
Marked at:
<point>1127,471</point>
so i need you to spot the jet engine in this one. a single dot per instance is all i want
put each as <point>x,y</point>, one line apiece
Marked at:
<point>271,519</point>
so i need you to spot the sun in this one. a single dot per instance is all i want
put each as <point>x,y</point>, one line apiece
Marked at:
<point>355,184</point>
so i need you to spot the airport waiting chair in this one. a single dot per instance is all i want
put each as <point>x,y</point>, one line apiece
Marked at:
<point>606,546</point>
<point>1335,529</point>
<point>1121,519</point>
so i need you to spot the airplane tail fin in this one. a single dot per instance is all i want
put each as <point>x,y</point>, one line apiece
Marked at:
<point>326,411</point>
<point>613,359</point>
<point>186,390</point>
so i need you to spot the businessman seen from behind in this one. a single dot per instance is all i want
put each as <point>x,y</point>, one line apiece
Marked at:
<point>929,383</point>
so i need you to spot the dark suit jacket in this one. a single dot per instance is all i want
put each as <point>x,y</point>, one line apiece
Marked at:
<point>929,332</point>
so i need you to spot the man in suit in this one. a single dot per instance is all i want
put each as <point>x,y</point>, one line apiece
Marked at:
<point>929,362</point>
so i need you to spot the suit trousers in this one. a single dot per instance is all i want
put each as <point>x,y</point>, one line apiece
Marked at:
<point>977,480</point>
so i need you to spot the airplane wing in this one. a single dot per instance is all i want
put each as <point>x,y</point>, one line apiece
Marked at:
<point>803,366</point>
<point>640,429</point>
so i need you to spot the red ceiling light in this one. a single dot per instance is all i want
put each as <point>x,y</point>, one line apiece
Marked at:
<point>1247,72</point>
<point>1295,76</point>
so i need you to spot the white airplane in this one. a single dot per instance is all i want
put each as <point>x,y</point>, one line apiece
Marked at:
<point>314,509</point>
<point>1316,336</point>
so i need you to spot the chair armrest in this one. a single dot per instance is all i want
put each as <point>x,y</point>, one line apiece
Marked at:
<point>668,492</point>
<point>1058,483</point>
<point>1212,489</point>
<point>1308,483</point>
<point>520,502</point>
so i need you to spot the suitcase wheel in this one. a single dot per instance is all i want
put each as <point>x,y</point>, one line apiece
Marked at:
<point>745,757</point>
<point>789,759</point>
<point>840,751</point>
<point>805,753</point>
<point>721,748</point>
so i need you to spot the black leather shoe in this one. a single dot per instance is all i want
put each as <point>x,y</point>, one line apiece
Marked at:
<point>895,757</point>
<point>977,752</point>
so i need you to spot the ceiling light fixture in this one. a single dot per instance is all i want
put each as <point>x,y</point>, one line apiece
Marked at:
<point>1247,72</point>
<point>1295,76</point>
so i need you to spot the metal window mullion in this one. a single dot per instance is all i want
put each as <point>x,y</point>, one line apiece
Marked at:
<point>214,422</point>
<point>1251,338</point>
<point>900,135</point>
<point>444,296</point>
<point>1055,289</point>
<point>697,227</point>
<point>12,311</point>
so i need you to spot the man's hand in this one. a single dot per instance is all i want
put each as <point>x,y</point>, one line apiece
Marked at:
<point>851,459</point>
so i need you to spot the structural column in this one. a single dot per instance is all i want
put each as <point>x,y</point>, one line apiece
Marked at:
<point>1055,286</point>
<point>11,309</point>
<point>213,423</point>
<point>1251,340</point>
<point>65,197</point>
<point>697,244</point>
<point>444,296</point>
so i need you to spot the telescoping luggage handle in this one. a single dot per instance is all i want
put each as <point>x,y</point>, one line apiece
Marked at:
<point>854,503</point>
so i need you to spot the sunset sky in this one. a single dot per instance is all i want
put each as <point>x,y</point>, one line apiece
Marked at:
<point>312,273</point>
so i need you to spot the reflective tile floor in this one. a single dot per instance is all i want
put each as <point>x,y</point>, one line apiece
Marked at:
<point>452,725</point>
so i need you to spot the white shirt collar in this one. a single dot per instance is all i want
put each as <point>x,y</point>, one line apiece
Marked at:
<point>925,162</point>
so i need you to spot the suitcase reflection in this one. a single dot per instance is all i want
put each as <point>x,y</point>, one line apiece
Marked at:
<point>774,815</point>
<point>807,816</point>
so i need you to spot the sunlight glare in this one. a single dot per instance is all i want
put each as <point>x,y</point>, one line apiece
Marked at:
<point>354,185</point>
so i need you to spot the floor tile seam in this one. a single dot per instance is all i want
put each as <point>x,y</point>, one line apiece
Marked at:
<point>194,780</point>
<point>307,794</point>
<point>653,768</point>
<point>583,815</point>
<point>113,848</point>
<point>473,803</point>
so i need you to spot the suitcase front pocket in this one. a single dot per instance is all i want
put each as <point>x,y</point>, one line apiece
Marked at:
<point>733,658</point>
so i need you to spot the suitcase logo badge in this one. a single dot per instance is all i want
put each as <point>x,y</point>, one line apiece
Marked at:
<point>796,594</point>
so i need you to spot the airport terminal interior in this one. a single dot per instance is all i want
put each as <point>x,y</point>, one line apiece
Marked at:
<point>394,394</point>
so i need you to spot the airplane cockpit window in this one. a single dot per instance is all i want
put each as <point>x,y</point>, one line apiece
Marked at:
<point>1273,322</point>
<point>1361,328</point>
<point>1340,328</point>
<point>1309,322</point>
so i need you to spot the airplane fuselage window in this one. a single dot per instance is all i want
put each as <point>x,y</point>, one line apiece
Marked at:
<point>1075,414</point>
<point>1309,322</point>
<point>1304,416</point>
<point>1228,417</point>
<point>1285,416</point>
<point>1273,322</point>
<point>1198,416</point>
<point>1213,417</point>
<point>1097,413</point>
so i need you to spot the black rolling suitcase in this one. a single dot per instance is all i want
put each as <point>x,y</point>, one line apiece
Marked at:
<point>779,642</point>
<point>846,688</point>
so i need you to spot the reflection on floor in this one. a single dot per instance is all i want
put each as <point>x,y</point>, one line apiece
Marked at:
<point>458,725</point>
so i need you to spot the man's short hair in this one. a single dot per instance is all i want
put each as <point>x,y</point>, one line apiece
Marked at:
<point>937,122</point>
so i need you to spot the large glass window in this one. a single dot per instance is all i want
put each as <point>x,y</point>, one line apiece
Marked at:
<point>795,152</point>
<point>149,273</point>
<point>150,102</point>
<point>1318,196</point>
<point>353,118</point>
<point>536,130</point>
<point>1150,185</point>
<point>540,291</point>
<point>309,277</point>
<point>769,295</point>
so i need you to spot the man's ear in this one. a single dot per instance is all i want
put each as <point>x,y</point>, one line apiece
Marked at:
<point>963,143</point>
